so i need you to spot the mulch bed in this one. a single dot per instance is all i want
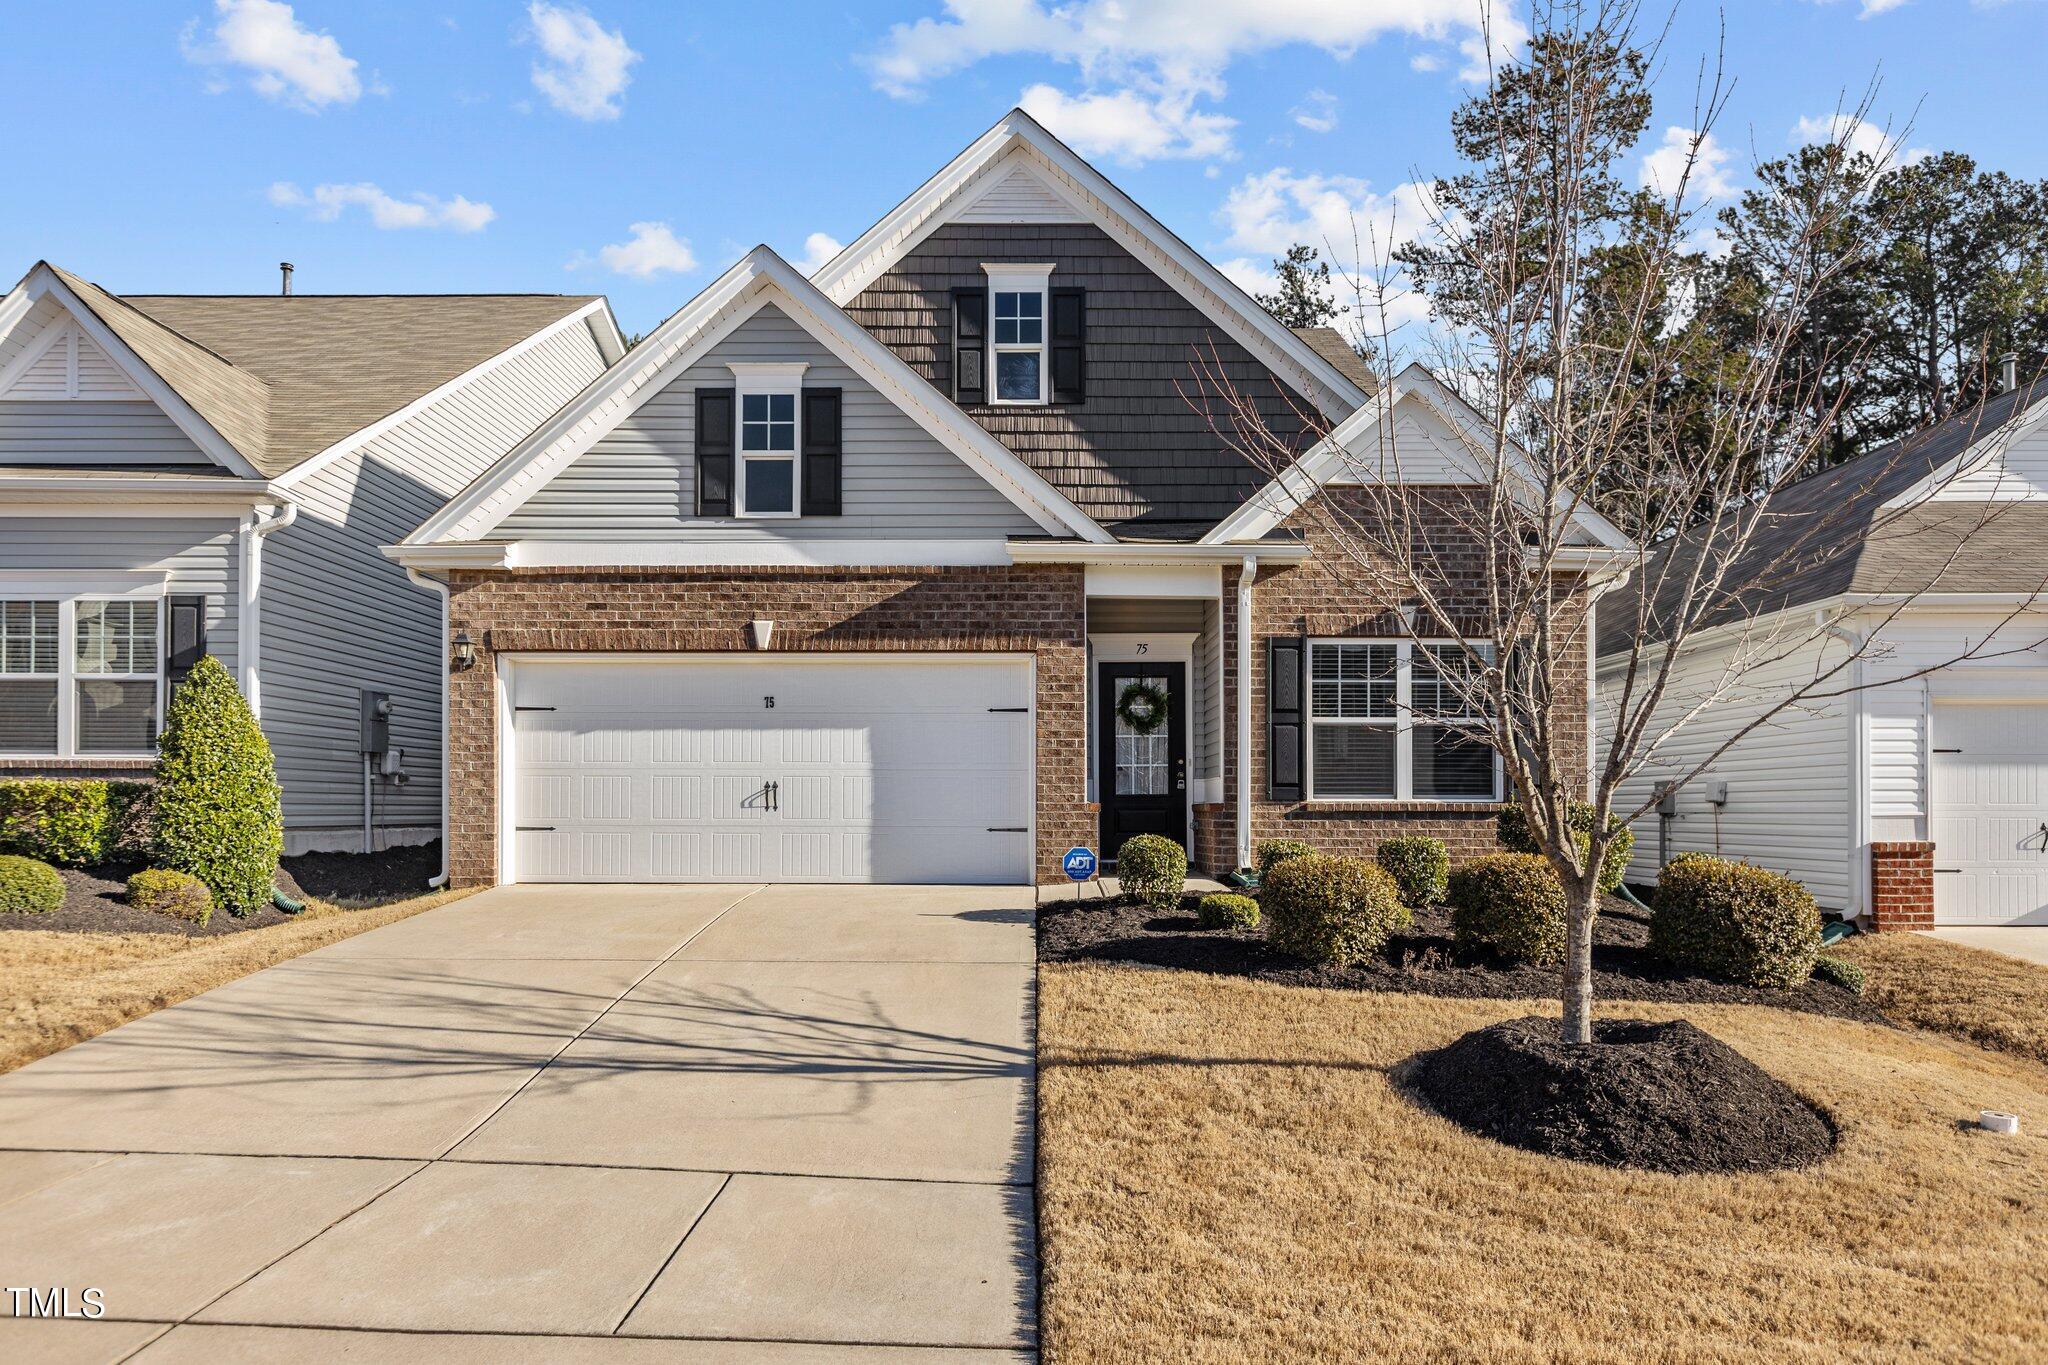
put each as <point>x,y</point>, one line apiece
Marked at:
<point>95,899</point>
<point>1654,1097</point>
<point>1421,961</point>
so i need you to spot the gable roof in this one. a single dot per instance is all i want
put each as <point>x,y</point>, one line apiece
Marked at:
<point>759,278</point>
<point>277,379</point>
<point>1017,135</point>
<point>1859,528</point>
<point>1329,343</point>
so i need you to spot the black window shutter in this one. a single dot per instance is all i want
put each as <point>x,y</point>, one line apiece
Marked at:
<point>1285,723</point>
<point>714,452</point>
<point>1069,345</point>
<point>184,637</point>
<point>821,453</point>
<point>970,346</point>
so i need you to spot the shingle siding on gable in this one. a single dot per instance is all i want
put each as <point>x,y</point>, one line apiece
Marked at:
<point>1139,447</point>
<point>638,482</point>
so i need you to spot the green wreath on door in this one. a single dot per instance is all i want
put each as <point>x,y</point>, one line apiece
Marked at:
<point>1142,707</point>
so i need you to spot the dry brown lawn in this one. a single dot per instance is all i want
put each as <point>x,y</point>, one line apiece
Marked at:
<point>1989,999</point>
<point>1227,1174</point>
<point>62,988</point>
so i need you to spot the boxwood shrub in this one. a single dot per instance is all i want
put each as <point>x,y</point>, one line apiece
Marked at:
<point>73,824</point>
<point>1272,852</point>
<point>1331,911</point>
<point>171,893</point>
<point>28,887</point>
<point>1228,910</point>
<point>1419,865</point>
<point>1152,868</point>
<point>217,802</point>
<point>1841,971</point>
<point>1735,921</point>
<point>1511,828</point>
<point>1509,904</point>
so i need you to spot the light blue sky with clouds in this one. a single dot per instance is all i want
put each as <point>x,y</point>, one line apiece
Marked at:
<point>634,148</point>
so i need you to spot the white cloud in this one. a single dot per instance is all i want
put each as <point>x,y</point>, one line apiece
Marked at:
<point>1129,126</point>
<point>1354,228</point>
<point>1317,111</point>
<point>1254,276</point>
<point>585,68</point>
<point>652,249</point>
<point>1145,62</point>
<point>1425,62</point>
<point>325,203</point>
<point>1871,7</point>
<point>1857,136</point>
<point>1702,168</point>
<point>819,248</point>
<point>287,61</point>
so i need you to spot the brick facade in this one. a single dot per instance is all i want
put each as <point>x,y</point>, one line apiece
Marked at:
<point>1039,611</point>
<point>1902,885</point>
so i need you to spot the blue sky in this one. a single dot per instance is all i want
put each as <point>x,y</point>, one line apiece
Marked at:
<point>506,145</point>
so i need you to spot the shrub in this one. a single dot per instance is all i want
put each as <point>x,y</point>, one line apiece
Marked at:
<point>1273,852</point>
<point>1511,827</point>
<point>73,824</point>
<point>28,887</point>
<point>171,893</point>
<point>1841,971</point>
<point>1153,868</point>
<point>1510,904</point>
<point>1332,911</point>
<point>1735,921</point>
<point>1419,865</point>
<point>217,801</point>
<point>1228,910</point>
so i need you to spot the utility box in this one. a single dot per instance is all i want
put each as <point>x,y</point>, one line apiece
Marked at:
<point>376,721</point>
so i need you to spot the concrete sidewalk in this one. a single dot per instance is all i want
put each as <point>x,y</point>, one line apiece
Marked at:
<point>780,1123</point>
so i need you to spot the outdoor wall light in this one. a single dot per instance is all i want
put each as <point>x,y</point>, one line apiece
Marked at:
<point>465,650</point>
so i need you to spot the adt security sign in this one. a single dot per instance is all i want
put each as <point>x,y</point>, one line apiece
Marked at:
<point>1079,863</point>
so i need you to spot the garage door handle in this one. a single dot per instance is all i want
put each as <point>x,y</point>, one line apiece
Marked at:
<point>535,829</point>
<point>1010,710</point>
<point>1008,829</point>
<point>533,708</point>
<point>1948,751</point>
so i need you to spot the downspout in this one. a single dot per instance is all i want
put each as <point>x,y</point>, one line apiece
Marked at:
<point>259,524</point>
<point>1859,774</point>
<point>1245,577</point>
<point>440,589</point>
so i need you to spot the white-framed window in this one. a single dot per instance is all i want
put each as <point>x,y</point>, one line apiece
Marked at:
<point>769,478</point>
<point>80,675</point>
<point>1018,311</point>
<point>1379,724</point>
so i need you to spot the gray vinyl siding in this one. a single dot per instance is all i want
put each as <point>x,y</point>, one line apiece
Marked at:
<point>81,432</point>
<point>1205,752</point>
<point>339,617</point>
<point>201,555</point>
<point>638,482</point>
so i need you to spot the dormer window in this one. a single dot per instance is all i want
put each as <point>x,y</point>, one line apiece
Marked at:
<point>1017,331</point>
<point>769,439</point>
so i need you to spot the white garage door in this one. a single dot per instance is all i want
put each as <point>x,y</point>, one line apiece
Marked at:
<point>1989,805</point>
<point>740,768</point>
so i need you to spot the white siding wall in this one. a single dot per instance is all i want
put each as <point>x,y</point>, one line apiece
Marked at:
<point>639,481</point>
<point>339,617</point>
<point>1788,781</point>
<point>2018,469</point>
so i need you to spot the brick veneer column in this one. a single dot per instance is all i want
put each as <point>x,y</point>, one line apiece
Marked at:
<point>1041,611</point>
<point>1902,885</point>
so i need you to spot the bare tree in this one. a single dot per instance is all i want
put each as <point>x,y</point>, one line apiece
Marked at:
<point>1608,447</point>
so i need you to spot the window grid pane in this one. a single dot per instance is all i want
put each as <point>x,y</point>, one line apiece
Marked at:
<point>28,637</point>
<point>117,637</point>
<point>1020,318</point>
<point>768,421</point>
<point>1352,681</point>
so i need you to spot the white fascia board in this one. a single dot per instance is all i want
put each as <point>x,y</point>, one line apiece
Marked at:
<point>585,316</point>
<point>604,328</point>
<point>466,554</point>
<point>666,554</point>
<point>1100,202</point>
<point>1173,580</point>
<point>1983,448</point>
<point>1054,552</point>
<point>760,278</point>
<point>58,495</point>
<point>43,281</point>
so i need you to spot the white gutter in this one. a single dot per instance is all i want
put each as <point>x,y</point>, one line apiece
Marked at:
<point>1076,552</point>
<point>1244,710</point>
<point>1859,768</point>
<point>440,589</point>
<point>255,528</point>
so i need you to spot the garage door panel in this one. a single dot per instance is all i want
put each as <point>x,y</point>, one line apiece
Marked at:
<point>1990,775</point>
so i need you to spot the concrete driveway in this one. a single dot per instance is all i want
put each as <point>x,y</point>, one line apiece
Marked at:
<point>786,1124</point>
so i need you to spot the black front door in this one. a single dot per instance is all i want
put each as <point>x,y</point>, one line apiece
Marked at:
<point>1141,757</point>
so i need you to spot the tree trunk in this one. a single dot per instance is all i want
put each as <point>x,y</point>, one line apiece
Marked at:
<point>1582,906</point>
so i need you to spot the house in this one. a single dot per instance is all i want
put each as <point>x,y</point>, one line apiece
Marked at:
<point>935,564</point>
<point>182,475</point>
<point>1910,577</point>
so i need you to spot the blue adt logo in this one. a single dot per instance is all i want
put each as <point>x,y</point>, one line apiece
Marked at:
<point>1079,864</point>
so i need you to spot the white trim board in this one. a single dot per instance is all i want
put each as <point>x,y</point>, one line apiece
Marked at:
<point>1985,448</point>
<point>758,279</point>
<point>976,171</point>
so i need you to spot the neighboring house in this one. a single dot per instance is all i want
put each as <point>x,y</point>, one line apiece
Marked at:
<point>184,475</point>
<point>1923,797</point>
<point>873,575</point>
